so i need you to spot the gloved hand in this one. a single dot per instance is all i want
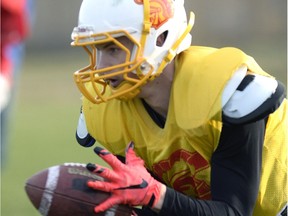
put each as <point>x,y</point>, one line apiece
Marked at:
<point>128,183</point>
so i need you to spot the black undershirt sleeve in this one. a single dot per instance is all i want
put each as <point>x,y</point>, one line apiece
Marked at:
<point>235,176</point>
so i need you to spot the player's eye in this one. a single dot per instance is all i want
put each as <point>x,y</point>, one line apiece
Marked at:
<point>108,48</point>
<point>113,50</point>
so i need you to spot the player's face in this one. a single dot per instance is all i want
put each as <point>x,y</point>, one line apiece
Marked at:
<point>110,54</point>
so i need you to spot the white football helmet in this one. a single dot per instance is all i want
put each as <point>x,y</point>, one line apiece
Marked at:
<point>142,21</point>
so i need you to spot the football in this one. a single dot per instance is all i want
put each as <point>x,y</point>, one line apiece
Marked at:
<point>61,190</point>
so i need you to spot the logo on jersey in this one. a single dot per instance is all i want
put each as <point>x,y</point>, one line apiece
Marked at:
<point>184,171</point>
<point>160,11</point>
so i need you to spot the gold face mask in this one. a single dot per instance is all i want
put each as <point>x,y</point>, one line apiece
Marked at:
<point>91,80</point>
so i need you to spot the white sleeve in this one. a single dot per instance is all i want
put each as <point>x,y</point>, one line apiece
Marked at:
<point>82,135</point>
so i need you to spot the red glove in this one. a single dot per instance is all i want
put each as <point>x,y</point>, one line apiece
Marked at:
<point>128,183</point>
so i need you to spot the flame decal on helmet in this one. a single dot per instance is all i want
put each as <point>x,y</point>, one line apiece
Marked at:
<point>160,11</point>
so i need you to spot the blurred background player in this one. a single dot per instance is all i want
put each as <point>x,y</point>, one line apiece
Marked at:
<point>209,124</point>
<point>16,18</point>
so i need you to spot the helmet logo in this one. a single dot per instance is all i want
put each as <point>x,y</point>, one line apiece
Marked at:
<point>160,11</point>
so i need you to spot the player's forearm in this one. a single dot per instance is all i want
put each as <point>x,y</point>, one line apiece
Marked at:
<point>175,204</point>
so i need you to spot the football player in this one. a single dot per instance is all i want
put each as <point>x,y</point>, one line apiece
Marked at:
<point>206,127</point>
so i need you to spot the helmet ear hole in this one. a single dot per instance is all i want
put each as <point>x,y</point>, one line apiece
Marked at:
<point>161,39</point>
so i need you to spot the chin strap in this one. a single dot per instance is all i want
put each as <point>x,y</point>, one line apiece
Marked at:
<point>146,25</point>
<point>172,52</point>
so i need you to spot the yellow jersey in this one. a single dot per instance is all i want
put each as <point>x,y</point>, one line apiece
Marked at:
<point>180,153</point>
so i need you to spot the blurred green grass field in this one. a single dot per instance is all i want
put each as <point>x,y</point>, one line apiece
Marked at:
<point>45,115</point>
